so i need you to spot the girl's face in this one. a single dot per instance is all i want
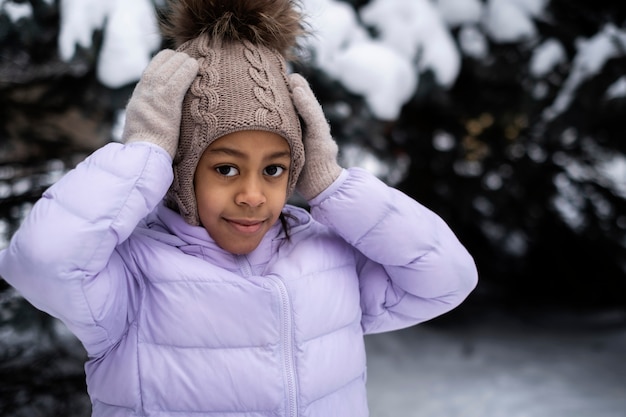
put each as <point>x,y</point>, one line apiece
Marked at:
<point>241,187</point>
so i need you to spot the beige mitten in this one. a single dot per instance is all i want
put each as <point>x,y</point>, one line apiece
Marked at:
<point>320,150</point>
<point>154,111</point>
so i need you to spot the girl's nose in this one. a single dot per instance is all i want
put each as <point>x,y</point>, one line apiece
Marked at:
<point>251,193</point>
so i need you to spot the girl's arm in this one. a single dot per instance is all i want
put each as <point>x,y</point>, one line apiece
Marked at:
<point>414,267</point>
<point>62,259</point>
<point>57,256</point>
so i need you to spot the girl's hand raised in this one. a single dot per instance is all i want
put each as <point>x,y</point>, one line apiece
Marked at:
<point>320,150</point>
<point>154,111</point>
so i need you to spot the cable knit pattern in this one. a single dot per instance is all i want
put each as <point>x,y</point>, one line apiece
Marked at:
<point>240,86</point>
<point>206,99</point>
<point>200,119</point>
<point>270,112</point>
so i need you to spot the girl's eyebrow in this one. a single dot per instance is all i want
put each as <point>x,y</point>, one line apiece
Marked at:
<point>237,153</point>
<point>279,154</point>
<point>228,151</point>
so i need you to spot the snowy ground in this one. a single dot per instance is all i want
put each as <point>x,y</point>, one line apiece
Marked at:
<point>500,366</point>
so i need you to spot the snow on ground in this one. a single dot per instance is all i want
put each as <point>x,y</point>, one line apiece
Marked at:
<point>498,367</point>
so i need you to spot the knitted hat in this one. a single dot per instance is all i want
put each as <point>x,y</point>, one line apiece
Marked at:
<point>241,47</point>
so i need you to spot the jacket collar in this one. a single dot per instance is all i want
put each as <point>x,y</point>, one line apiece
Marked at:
<point>167,226</point>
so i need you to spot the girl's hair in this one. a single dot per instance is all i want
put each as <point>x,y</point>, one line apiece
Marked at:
<point>284,222</point>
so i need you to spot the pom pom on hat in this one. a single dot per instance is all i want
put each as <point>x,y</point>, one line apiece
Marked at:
<point>241,47</point>
<point>276,24</point>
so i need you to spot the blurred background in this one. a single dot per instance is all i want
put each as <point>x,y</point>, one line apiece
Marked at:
<point>503,116</point>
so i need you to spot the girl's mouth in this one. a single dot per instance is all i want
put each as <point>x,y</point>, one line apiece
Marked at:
<point>246,226</point>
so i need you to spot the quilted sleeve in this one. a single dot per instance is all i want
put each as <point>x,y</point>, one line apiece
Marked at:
<point>62,259</point>
<point>414,268</point>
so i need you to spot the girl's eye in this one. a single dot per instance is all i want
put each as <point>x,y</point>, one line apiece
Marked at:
<point>227,170</point>
<point>274,170</point>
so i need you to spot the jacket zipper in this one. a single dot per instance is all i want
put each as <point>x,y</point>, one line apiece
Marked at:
<point>244,265</point>
<point>286,336</point>
<point>287,341</point>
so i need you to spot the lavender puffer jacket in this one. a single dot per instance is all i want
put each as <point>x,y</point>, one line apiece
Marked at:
<point>174,326</point>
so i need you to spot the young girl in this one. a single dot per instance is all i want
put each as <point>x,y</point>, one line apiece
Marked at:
<point>196,290</point>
